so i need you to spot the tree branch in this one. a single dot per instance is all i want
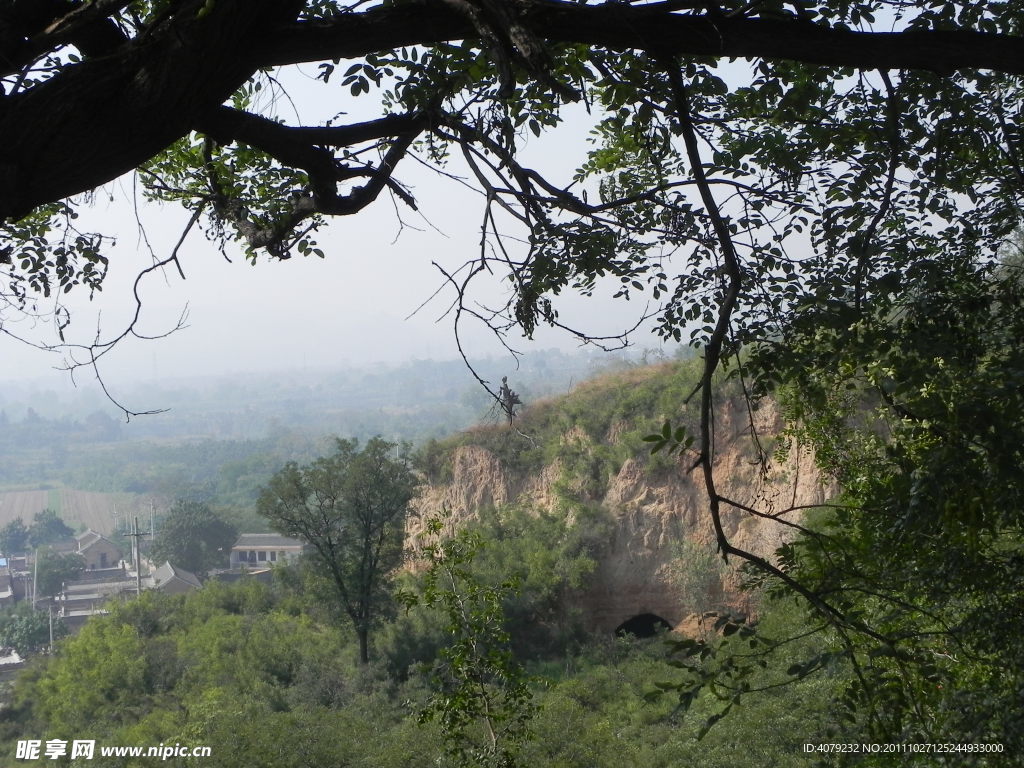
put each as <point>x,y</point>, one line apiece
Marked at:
<point>94,121</point>
<point>657,28</point>
<point>97,120</point>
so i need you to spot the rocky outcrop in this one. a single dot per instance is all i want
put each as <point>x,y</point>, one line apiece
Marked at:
<point>662,537</point>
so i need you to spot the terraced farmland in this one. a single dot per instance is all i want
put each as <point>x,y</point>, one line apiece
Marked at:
<point>78,508</point>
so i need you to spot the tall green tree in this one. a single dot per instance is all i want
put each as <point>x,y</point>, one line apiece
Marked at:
<point>52,569</point>
<point>193,537</point>
<point>482,699</point>
<point>920,417</point>
<point>351,508</point>
<point>913,578</point>
<point>47,527</point>
<point>28,631</point>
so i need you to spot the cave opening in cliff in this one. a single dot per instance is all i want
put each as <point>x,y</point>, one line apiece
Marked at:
<point>643,625</point>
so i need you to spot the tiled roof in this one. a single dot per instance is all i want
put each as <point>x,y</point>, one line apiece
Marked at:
<point>87,538</point>
<point>167,572</point>
<point>266,541</point>
<point>90,537</point>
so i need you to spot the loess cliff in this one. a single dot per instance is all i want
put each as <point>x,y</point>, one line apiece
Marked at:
<point>587,449</point>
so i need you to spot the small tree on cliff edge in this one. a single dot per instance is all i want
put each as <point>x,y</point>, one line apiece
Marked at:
<point>350,507</point>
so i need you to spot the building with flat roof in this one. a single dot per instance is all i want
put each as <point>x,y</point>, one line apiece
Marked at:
<point>261,550</point>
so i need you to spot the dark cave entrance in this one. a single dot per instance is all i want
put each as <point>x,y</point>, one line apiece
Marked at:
<point>643,625</point>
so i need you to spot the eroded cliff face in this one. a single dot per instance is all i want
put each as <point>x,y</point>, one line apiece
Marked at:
<point>658,515</point>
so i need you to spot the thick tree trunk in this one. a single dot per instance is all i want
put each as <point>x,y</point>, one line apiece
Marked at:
<point>99,119</point>
<point>621,26</point>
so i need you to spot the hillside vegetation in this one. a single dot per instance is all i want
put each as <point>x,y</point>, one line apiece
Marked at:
<point>567,529</point>
<point>609,414</point>
<point>267,676</point>
<point>583,456</point>
<point>266,681</point>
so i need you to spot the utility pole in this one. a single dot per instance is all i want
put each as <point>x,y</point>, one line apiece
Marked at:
<point>136,554</point>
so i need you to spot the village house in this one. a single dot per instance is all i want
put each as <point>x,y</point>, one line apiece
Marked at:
<point>262,550</point>
<point>97,551</point>
<point>173,581</point>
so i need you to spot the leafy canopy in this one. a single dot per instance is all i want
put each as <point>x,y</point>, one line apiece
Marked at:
<point>911,578</point>
<point>350,507</point>
<point>27,630</point>
<point>192,536</point>
<point>52,569</point>
<point>47,528</point>
<point>14,537</point>
<point>778,152</point>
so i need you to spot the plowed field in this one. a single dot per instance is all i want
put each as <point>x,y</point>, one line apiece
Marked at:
<point>77,508</point>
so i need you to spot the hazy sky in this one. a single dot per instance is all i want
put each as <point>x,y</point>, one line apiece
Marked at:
<point>349,308</point>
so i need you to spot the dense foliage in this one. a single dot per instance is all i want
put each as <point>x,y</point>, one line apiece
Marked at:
<point>483,701</point>
<point>192,536</point>
<point>28,631</point>
<point>912,576</point>
<point>52,569</point>
<point>13,537</point>
<point>47,528</point>
<point>265,676</point>
<point>350,508</point>
<point>926,548</point>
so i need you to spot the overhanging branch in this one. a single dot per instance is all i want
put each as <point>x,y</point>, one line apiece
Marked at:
<point>658,28</point>
<point>94,121</point>
<point>97,120</point>
<point>306,149</point>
